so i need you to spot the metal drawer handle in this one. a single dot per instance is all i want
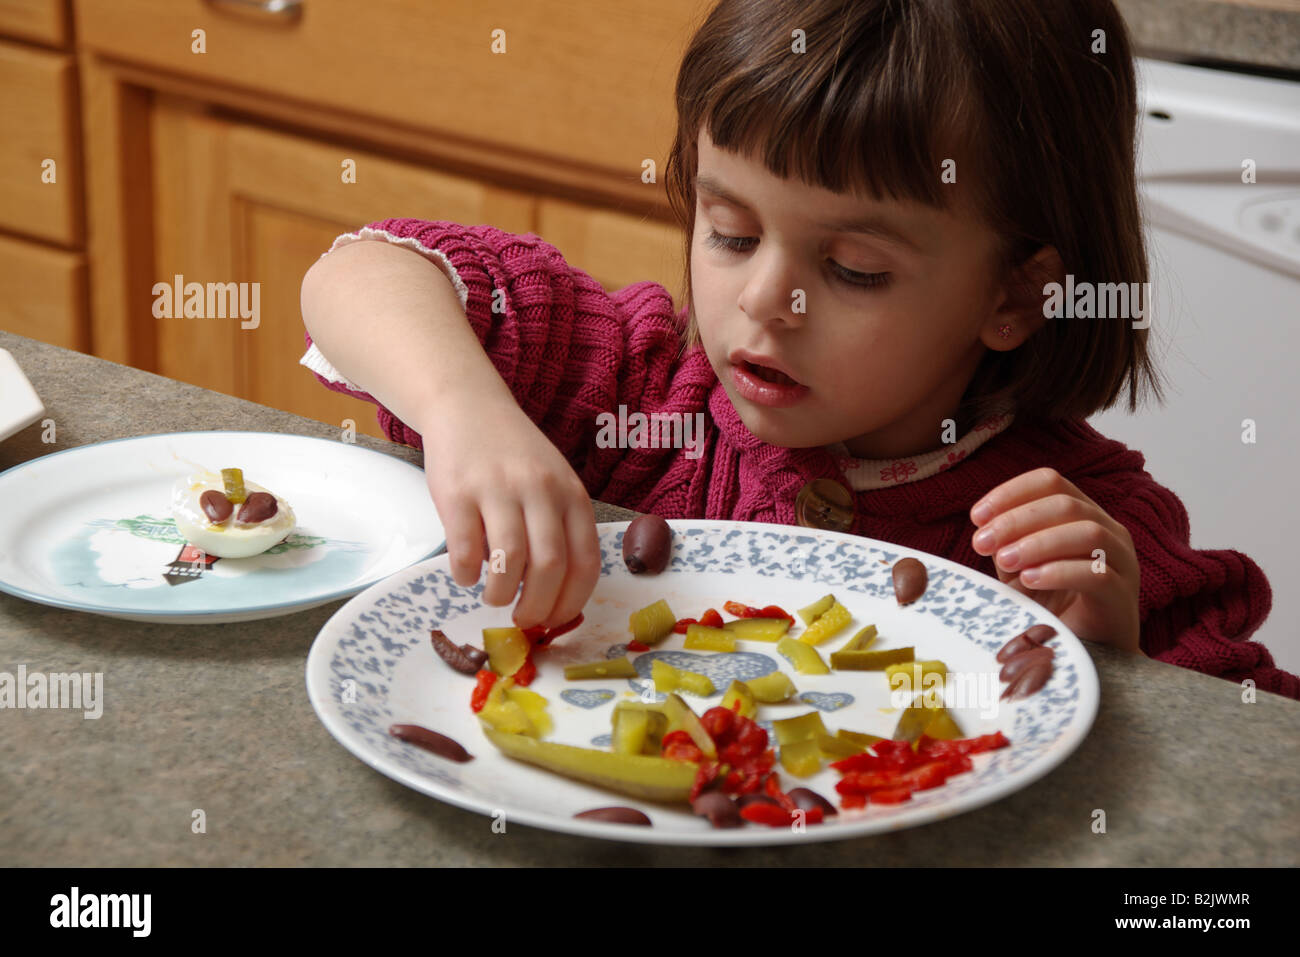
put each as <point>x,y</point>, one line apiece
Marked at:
<point>280,9</point>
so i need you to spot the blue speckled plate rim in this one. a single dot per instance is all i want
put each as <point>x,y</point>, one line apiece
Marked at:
<point>248,613</point>
<point>320,657</point>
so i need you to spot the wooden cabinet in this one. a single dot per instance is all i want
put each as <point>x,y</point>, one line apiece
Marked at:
<point>227,166</point>
<point>42,231</point>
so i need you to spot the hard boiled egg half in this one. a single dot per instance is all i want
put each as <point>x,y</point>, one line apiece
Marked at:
<point>208,518</point>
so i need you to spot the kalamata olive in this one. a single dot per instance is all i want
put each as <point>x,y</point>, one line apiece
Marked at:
<point>1040,634</point>
<point>1025,660</point>
<point>745,800</point>
<point>215,506</point>
<point>909,580</point>
<point>616,815</point>
<point>258,507</point>
<point>808,799</point>
<point>718,808</point>
<point>439,744</point>
<point>1030,679</point>
<point>464,658</point>
<point>647,545</point>
<point>1015,646</point>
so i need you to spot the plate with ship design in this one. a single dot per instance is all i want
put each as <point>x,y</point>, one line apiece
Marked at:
<point>91,528</point>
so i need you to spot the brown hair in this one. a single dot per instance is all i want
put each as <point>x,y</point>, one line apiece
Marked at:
<point>887,89</point>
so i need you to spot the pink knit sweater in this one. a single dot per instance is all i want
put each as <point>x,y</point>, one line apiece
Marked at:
<point>569,351</point>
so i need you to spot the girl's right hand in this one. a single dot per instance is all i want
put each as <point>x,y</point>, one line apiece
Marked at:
<point>506,495</point>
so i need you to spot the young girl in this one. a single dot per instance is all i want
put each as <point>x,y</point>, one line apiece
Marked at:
<point>875,195</point>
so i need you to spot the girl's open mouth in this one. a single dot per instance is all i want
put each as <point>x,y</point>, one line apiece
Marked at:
<point>769,375</point>
<point>765,386</point>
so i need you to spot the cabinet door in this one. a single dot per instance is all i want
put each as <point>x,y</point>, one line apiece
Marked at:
<point>236,203</point>
<point>615,248</point>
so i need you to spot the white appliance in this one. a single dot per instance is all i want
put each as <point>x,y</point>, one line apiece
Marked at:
<point>1225,325</point>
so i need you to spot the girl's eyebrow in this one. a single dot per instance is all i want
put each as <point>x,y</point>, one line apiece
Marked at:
<point>868,225</point>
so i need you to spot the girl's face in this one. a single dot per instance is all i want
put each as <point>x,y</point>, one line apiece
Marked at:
<point>885,320</point>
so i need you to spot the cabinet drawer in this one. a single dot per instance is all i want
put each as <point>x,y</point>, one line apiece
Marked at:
<point>43,294</point>
<point>42,21</point>
<point>37,103</point>
<point>569,84</point>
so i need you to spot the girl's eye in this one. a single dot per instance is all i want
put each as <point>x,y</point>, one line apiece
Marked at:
<point>740,244</point>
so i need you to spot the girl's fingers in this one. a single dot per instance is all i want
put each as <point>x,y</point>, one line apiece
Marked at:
<point>547,557</point>
<point>463,527</point>
<point>1043,513</point>
<point>582,564</point>
<point>1075,540</point>
<point>503,521</point>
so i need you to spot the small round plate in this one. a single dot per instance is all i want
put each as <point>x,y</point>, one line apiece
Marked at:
<point>372,666</point>
<point>90,528</point>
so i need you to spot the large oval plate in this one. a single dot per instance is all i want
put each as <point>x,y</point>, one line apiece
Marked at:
<point>90,528</point>
<point>372,665</point>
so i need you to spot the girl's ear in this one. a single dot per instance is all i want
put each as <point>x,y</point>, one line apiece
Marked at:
<point>1020,313</point>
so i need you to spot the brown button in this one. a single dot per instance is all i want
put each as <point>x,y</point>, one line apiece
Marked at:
<point>824,503</point>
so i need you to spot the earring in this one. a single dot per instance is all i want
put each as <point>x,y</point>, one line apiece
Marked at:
<point>1004,330</point>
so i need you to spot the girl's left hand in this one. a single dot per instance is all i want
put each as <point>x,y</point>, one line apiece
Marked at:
<point>1047,535</point>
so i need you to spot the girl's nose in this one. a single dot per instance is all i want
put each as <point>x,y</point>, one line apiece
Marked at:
<point>772,290</point>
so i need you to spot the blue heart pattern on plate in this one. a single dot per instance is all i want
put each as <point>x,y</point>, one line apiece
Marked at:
<point>827,701</point>
<point>586,697</point>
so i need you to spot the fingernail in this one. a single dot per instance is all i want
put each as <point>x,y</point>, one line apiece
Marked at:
<point>981,513</point>
<point>1030,576</point>
<point>985,538</point>
<point>1009,557</point>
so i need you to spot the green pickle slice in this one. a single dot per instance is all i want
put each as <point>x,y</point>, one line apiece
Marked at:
<point>233,479</point>
<point>605,668</point>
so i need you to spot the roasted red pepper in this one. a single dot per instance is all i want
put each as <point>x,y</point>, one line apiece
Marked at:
<point>486,679</point>
<point>711,618</point>
<point>749,611</point>
<point>526,673</point>
<point>637,646</point>
<point>542,636</point>
<point>683,624</point>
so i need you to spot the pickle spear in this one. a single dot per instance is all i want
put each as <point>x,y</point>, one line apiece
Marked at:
<point>639,775</point>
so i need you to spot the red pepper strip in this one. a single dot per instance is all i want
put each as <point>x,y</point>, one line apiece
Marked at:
<point>711,618</point>
<point>486,679</point>
<point>681,626</point>
<point>773,788</point>
<point>739,610</point>
<point>927,776</point>
<point>703,777</point>
<point>678,746</point>
<point>852,801</point>
<point>775,611</point>
<point>637,646</point>
<point>526,673</point>
<point>769,814</point>
<point>987,742</point>
<point>890,796</point>
<point>542,636</point>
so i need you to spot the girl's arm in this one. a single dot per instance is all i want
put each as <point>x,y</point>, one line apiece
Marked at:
<point>390,321</point>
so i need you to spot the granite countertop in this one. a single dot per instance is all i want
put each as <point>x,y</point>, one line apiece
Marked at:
<point>1263,33</point>
<point>217,717</point>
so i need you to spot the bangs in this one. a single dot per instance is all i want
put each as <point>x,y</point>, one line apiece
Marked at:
<point>877,119</point>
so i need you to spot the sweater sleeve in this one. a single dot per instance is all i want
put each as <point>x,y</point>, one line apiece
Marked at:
<point>1198,608</point>
<point>567,349</point>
